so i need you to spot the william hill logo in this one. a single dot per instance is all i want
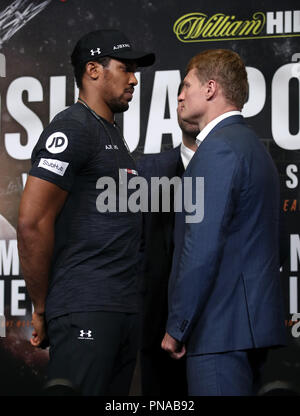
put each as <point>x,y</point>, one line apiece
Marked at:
<point>199,27</point>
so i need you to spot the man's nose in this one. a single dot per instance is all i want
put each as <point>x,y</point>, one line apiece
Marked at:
<point>180,97</point>
<point>133,80</point>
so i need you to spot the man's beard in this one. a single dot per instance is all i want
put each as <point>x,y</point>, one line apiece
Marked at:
<point>118,106</point>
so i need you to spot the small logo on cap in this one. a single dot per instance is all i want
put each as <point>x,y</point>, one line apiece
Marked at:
<point>98,51</point>
<point>121,46</point>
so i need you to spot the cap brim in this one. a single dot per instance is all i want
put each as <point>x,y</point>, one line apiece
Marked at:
<point>141,58</point>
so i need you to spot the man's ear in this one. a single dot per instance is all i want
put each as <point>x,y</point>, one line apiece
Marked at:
<point>93,69</point>
<point>211,89</point>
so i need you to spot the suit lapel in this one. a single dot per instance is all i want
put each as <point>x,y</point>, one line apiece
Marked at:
<point>224,123</point>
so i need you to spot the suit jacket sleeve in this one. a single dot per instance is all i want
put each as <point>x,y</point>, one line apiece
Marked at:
<point>193,275</point>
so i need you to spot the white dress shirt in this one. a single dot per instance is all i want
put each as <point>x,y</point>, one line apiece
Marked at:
<point>186,154</point>
<point>207,129</point>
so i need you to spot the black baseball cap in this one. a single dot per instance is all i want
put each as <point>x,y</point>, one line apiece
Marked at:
<point>112,43</point>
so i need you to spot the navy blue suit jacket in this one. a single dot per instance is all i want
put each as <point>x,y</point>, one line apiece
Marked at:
<point>157,249</point>
<point>224,289</point>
